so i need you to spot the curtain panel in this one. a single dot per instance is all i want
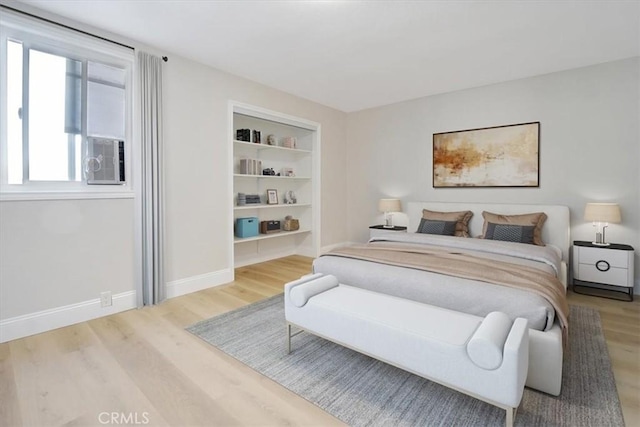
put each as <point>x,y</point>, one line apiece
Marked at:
<point>150,85</point>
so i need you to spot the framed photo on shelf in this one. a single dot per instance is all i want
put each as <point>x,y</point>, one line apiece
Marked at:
<point>272,197</point>
<point>288,172</point>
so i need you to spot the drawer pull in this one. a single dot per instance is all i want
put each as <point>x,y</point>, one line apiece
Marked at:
<point>603,265</point>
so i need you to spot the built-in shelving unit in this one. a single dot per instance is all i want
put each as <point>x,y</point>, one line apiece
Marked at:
<point>302,160</point>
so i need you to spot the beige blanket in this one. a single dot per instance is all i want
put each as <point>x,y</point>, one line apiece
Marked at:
<point>460,264</point>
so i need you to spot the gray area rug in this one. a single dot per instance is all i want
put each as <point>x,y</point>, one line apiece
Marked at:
<point>362,391</point>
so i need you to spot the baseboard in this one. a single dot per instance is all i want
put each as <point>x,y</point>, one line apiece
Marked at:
<point>47,320</point>
<point>198,283</point>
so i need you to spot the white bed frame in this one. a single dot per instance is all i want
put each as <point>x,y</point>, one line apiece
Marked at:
<point>545,348</point>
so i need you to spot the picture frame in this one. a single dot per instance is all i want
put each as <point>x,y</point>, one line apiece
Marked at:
<point>498,156</point>
<point>272,197</point>
<point>288,172</point>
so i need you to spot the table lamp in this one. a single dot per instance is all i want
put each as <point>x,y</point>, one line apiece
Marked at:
<point>388,206</point>
<point>601,214</point>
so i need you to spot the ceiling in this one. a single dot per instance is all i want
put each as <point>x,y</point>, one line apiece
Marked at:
<point>353,55</point>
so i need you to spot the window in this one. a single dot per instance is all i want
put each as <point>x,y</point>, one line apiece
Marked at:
<point>63,90</point>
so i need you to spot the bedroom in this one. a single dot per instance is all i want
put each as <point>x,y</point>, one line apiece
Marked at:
<point>589,119</point>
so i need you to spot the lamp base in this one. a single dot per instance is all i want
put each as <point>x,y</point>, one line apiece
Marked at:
<point>388,223</point>
<point>600,244</point>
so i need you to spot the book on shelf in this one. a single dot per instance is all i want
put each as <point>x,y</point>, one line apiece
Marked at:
<point>250,166</point>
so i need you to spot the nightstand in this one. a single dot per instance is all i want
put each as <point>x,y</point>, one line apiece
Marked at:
<point>605,268</point>
<point>381,230</point>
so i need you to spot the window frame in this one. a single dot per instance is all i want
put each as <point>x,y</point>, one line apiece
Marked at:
<point>57,40</point>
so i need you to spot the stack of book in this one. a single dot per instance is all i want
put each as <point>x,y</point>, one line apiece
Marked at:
<point>243,135</point>
<point>252,199</point>
<point>250,166</point>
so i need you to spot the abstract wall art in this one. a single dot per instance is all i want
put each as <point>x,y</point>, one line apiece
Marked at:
<point>500,156</point>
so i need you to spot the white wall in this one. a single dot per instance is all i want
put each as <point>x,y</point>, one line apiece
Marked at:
<point>196,164</point>
<point>56,257</point>
<point>52,252</point>
<point>589,151</point>
<point>55,260</point>
<point>589,146</point>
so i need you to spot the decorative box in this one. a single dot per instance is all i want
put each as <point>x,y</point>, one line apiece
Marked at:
<point>267,227</point>
<point>247,227</point>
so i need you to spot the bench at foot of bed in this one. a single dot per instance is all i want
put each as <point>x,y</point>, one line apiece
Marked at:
<point>486,358</point>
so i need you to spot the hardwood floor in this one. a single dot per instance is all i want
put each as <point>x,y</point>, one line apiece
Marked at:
<point>621,327</point>
<point>141,367</point>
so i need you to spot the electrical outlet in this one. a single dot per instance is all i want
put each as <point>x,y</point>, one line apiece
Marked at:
<point>105,299</point>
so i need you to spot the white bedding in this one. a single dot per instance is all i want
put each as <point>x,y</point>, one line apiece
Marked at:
<point>465,295</point>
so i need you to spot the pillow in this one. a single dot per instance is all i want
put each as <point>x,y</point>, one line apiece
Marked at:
<point>461,219</point>
<point>535,219</point>
<point>443,228</point>
<point>510,233</point>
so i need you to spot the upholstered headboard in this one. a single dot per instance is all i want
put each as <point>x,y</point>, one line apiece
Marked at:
<point>555,230</point>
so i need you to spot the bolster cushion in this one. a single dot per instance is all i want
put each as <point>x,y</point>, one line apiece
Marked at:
<point>300,293</point>
<point>485,348</point>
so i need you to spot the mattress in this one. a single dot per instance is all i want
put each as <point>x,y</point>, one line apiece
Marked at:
<point>464,295</point>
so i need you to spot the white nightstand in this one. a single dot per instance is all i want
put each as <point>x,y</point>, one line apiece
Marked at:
<point>381,230</point>
<point>607,268</point>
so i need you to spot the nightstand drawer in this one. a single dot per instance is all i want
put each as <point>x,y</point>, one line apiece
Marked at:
<point>619,259</point>
<point>613,276</point>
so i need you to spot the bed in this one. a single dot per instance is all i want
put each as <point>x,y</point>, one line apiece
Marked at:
<point>469,294</point>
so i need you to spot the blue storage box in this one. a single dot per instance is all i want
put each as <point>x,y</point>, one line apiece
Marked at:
<point>247,227</point>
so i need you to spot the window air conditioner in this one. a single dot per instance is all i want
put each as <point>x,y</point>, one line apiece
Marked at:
<point>104,163</point>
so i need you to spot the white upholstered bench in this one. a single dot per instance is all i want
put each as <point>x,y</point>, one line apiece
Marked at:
<point>486,358</point>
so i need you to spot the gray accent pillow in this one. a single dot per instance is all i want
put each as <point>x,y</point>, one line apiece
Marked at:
<point>443,228</point>
<point>510,233</point>
<point>461,218</point>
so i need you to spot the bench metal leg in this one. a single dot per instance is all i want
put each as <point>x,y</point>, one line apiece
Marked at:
<point>511,415</point>
<point>291,335</point>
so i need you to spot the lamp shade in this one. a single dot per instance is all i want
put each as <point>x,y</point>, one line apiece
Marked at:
<point>389,205</point>
<point>602,212</point>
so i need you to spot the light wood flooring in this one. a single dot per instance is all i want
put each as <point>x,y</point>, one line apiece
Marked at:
<point>143,368</point>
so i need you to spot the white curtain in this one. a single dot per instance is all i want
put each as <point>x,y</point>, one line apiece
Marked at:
<point>150,83</point>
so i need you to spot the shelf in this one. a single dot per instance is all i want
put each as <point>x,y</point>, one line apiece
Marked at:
<point>246,175</point>
<point>259,147</point>
<point>280,205</point>
<point>304,159</point>
<point>268,236</point>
